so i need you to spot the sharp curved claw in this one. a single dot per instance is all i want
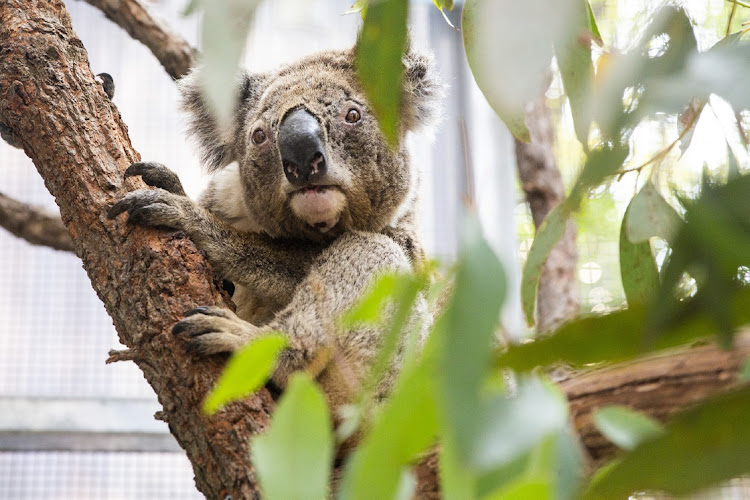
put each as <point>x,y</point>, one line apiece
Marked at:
<point>156,175</point>
<point>198,310</point>
<point>118,208</point>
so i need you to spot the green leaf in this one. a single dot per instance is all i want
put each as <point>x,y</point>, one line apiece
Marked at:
<point>246,372</point>
<point>745,371</point>
<point>700,448</point>
<point>191,8</point>
<point>379,51</point>
<point>512,426</point>
<point>467,329</point>
<point>443,4</point>
<point>224,32</point>
<point>405,427</point>
<point>638,270</point>
<point>577,69</point>
<point>733,167</point>
<point>369,309</point>
<point>524,489</point>
<point>547,236</point>
<point>358,6</point>
<point>294,457</point>
<point>592,25</point>
<point>650,215</point>
<point>624,427</point>
<point>619,336</point>
<point>493,30</point>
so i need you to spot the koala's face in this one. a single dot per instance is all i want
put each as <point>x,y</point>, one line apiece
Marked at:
<point>312,160</point>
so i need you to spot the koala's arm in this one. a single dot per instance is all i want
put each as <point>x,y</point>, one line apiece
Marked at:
<point>248,259</point>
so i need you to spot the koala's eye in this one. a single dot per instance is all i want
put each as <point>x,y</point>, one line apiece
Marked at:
<point>353,116</point>
<point>259,137</point>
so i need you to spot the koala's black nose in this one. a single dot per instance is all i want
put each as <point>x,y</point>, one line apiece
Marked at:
<point>301,148</point>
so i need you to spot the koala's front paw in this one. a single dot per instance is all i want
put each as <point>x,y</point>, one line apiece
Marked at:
<point>213,330</point>
<point>149,207</point>
<point>156,175</point>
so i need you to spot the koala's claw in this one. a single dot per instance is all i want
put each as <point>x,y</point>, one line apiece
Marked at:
<point>213,330</point>
<point>210,311</point>
<point>150,208</point>
<point>156,175</point>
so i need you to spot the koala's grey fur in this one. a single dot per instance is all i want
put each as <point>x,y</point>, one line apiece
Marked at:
<point>290,275</point>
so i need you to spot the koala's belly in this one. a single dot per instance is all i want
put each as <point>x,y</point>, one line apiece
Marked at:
<point>253,308</point>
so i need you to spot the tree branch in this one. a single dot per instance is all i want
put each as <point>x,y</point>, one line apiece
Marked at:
<point>142,24</point>
<point>659,386</point>
<point>36,225</point>
<point>146,279</point>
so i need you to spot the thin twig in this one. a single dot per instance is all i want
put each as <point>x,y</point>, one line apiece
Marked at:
<point>731,18</point>
<point>740,3</point>
<point>661,154</point>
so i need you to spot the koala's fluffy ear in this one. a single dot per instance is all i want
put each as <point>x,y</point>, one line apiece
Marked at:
<point>215,143</point>
<point>423,91</point>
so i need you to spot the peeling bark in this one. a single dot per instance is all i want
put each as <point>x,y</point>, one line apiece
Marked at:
<point>36,225</point>
<point>146,279</point>
<point>144,25</point>
<point>557,298</point>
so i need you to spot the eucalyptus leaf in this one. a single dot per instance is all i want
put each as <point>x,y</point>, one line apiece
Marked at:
<point>700,448</point>
<point>493,31</point>
<point>745,371</point>
<point>224,30</point>
<point>638,270</point>
<point>577,69</point>
<point>512,426</point>
<point>467,329</point>
<point>379,52</point>
<point>246,372</point>
<point>650,215</point>
<point>620,336</point>
<point>624,427</point>
<point>294,457</point>
<point>546,238</point>
<point>404,428</point>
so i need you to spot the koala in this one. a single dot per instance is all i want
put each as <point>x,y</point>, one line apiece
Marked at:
<point>307,205</point>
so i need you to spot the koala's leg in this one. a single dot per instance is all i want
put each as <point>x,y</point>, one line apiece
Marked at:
<point>337,279</point>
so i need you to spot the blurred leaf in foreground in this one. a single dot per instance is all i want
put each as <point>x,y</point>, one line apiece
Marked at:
<point>625,427</point>
<point>700,447</point>
<point>379,51</point>
<point>294,457</point>
<point>246,372</point>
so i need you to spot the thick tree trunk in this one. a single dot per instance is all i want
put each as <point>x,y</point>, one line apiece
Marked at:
<point>557,299</point>
<point>147,280</point>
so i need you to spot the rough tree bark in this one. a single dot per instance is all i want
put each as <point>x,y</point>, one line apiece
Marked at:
<point>557,298</point>
<point>146,279</point>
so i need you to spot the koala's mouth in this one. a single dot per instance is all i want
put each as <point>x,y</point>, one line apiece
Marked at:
<point>318,206</point>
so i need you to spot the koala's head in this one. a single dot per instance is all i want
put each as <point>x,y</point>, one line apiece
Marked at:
<point>312,160</point>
